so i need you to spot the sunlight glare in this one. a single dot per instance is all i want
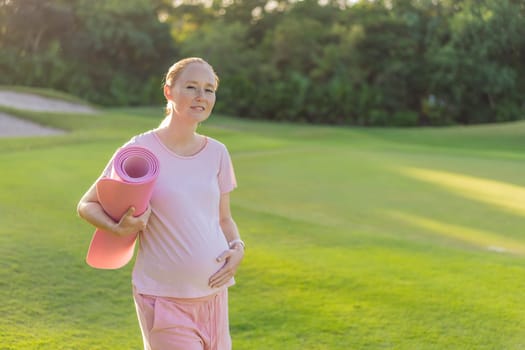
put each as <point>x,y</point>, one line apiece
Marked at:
<point>481,238</point>
<point>503,195</point>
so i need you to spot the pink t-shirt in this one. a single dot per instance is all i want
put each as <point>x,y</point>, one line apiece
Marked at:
<point>178,249</point>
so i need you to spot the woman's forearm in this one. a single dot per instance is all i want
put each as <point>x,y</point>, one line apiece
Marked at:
<point>93,213</point>
<point>231,231</point>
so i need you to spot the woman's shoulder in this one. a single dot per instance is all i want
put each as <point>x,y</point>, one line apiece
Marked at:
<point>216,144</point>
<point>142,139</point>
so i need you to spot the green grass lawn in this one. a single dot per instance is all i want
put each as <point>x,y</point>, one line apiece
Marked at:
<point>45,92</point>
<point>357,238</point>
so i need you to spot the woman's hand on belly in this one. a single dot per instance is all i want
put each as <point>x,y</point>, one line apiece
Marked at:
<point>232,259</point>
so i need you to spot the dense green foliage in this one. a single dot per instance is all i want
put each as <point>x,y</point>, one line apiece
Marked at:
<point>397,62</point>
<point>357,238</point>
<point>108,52</point>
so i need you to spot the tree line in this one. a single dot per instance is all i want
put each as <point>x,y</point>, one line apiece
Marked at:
<point>372,63</point>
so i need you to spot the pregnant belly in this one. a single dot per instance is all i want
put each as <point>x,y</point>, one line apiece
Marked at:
<point>181,274</point>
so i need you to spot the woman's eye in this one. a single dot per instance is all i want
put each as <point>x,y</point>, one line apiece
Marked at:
<point>210,91</point>
<point>190,87</point>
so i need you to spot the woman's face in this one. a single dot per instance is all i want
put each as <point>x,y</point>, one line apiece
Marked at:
<point>193,93</point>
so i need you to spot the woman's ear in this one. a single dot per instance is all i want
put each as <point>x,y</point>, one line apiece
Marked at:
<point>167,92</point>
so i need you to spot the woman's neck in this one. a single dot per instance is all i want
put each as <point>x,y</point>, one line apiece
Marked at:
<point>181,138</point>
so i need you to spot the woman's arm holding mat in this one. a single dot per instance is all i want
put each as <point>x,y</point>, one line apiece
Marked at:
<point>89,209</point>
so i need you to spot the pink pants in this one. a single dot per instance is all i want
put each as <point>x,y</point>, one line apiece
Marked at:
<point>184,324</point>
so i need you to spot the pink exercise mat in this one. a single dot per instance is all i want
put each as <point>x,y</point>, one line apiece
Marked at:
<point>135,170</point>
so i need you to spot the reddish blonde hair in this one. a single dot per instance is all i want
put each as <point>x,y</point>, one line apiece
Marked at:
<point>173,74</point>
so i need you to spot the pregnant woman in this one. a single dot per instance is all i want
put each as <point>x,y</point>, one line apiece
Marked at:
<point>189,244</point>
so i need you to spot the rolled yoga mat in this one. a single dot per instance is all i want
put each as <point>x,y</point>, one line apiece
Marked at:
<point>133,175</point>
